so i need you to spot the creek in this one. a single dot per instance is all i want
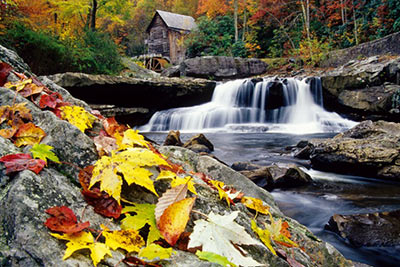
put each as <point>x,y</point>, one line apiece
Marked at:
<point>256,122</point>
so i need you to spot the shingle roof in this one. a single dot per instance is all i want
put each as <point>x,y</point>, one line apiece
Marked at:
<point>177,21</point>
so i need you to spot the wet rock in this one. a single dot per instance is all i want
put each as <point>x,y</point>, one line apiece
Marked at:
<point>364,88</point>
<point>199,142</point>
<point>173,139</point>
<point>370,229</point>
<point>303,150</point>
<point>369,149</point>
<point>273,176</point>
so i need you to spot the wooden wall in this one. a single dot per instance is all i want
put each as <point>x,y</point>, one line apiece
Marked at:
<point>157,41</point>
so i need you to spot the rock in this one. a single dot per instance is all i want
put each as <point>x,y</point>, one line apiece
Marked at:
<point>370,229</point>
<point>369,149</point>
<point>303,150</point>
<point>173,139</point>
<point>221,67</point>
<point>273,176</point>
<point>131,116</point>
<point>323,253</point>
<point>174,71</point>
<point>133,70</point>
<point>154,94</point>
<point>199,142</point>
<point>10,57</point>
<point>364,88</point>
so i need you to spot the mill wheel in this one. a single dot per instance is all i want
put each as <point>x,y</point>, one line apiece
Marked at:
<point>156,64</point>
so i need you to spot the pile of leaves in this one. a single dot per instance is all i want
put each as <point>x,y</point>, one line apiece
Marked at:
<point>148,232</point>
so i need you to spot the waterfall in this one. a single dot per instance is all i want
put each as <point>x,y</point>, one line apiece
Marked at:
<point>272,104</point>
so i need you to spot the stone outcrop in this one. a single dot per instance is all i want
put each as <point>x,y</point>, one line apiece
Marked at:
<point>218,68</point>
<point>370,229</point>
<point>151,94</point>
<point>273,176</point>
<point>364,89</point>
<point>199,143</point>
<point>369,149</point>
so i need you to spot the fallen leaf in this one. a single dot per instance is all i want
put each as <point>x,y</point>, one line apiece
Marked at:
<point>5,70</point>
<point>63,220</point>
<point>174,219</point>
<point>264,235</point>
<point>255,204</point>
<point>25,87</point>
<point>19,85</point>
<point>50,100</point>
<point>101,201</point>
<point>131,139</point>
<point>144,215</point>
<point>43,151</point>
<point>170,196</point>
<point>104,144</point>
<point>77,116</point>
<point>154,251</point>
<point>20,162</point>
<point>111,126</point>
<point>129,240</point>
<point>127,165</point>
<point>215,258</point>
<point>176,180</point>
<point>224,193</point>
<point>217,233</point>
<point>28,134</point>
<point>84,240</point>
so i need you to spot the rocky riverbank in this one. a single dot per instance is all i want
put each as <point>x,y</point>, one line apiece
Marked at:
<point>26,195</point>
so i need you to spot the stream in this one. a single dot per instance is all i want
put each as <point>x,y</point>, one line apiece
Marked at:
<point>312,205</point>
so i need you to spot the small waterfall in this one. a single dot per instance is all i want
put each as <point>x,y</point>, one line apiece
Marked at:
<point>273,104</point>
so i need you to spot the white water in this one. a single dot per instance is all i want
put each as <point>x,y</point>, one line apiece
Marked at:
<point>241,106</point>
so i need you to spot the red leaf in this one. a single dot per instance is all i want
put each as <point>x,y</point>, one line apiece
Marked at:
<point>50,101</point>
<point>101,201</point>
<point>20,162</point>
<point>111,126</point>
<point>5,69</point>
<point>64,220</point>
<point>133,261</point>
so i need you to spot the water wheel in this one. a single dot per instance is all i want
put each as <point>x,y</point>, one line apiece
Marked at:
<point>156,63</point>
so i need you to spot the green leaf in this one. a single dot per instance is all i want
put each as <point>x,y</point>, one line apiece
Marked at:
<point>144,215</point>
<point>215,258</point>
<point>43,151</point>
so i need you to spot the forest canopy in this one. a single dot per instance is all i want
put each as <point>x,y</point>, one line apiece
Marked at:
<point>91,35</point>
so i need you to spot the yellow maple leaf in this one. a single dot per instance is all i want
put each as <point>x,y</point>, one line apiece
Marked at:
<point>264,235</point>
<point>77,116</point>
<point>154,251</point>
<point>176,180</point>
<point>19,85</point>
<point>129,240</point>
<point>131,164</point>
<point>84,240</point>
<point>255,204</point>
<point>131,138</point>
<point>222,193</point>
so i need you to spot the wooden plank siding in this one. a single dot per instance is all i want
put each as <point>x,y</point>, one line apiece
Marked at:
<point>165,34</point>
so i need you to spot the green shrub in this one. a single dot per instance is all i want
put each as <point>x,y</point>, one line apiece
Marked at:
<point>46,54</point>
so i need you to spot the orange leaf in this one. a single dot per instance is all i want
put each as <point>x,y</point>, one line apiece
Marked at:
<point>64,220</point>
<point>284,230</point>
<point>29,134</point>
<point>171,196</point>
<point>111,126</point>
<point>174,219</point>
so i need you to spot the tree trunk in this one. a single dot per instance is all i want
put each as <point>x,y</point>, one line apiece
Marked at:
<point>93,12</point>
<point>355,22</point>
<point>235,15</point>
<point>244,25</point>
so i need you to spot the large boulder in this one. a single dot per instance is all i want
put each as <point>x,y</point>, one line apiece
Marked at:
<point>148,95</point>
<point>219,67</point>
<point>364,88</point>
<point>370,149</point>
<point>273,176</point>
<point>370,229</point>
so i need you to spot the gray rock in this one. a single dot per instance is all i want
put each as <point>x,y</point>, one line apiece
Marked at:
<point>370,229</point>
<point>370,149</point>
<point>10,57</point>
<point>155,94</point>
<point>221,67</point>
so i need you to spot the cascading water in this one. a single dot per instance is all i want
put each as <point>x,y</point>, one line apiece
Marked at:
<point>273,105</point>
